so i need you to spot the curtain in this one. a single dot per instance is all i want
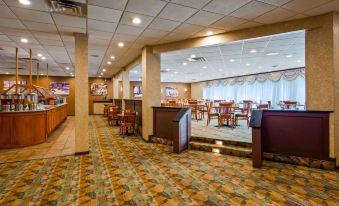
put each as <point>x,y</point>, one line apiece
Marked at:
<point>271,89</point>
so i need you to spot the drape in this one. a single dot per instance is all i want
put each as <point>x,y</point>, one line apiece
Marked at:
<point>275,87</point>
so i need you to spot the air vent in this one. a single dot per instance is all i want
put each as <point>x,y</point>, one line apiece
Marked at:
<point>67,7</point>
<point>163,71</point>
<point>94,55</point>
<point>196,59</point>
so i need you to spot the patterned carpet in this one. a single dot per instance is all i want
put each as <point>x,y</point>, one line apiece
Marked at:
<point>128,171</point>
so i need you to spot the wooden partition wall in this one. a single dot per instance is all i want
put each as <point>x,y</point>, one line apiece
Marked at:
<point>295,133</point>
<point>173,124</point>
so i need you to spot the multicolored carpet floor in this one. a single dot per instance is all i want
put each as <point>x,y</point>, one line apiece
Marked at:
<point>128,171</point>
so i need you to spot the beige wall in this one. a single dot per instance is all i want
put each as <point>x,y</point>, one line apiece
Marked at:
<point>180,86</point>
<point>98,98</point>
<point>197,90</point>
<point>69,98</point>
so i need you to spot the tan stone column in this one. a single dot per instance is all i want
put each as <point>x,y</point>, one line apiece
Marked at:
<point>322,74</point>
<point>125,86</point>
<point>151,87</point>
<point>81,93</point>
<point>115,87</point>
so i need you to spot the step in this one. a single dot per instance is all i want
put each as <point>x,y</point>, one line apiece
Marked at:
<point>221,141</point>
<point>221,149</point>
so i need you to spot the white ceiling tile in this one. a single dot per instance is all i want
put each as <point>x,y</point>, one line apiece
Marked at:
<point>147,7</point>
<point>36,5</point>
<point>303,5</point>
<point>252,10</point>
<point>204,18</point>
<point>176,12</point>
<point>71,30</point>
<point>50,42</point>
<point>298,16</point>
<point>276,15</point>
<point>11,23</point>
<point>33,15</point>
<point>15,32</point>
<point>95,25</point>
<point>124,38</point>
<point>203,32</point>
<point>70,21</point>
<point>4,38</point>
<point>328,7</point>
<point>228,23</point>
<point>188,29</point>
<point>127,29</point>
<point>100,34</point>
<point>151,33</point>
<point>113,4</point>
<point>275,2</point>
<point>103,14</point>
<point>198,4</point>
<point>225,6</point>
<point>164,25</point>
<point>247,25</point>
<point>35,26</point>
<point>147,40</point>
<point>127,18</point>
<point>6,12</point>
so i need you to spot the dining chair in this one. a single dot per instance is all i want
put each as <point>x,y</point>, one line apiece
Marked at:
<point>211,113</point>
<point>128,124</point>
<point>263,106</point>
<point>226,114</point>
<point>114,118</point>
<point>246,112</point>
<point>290,104</point>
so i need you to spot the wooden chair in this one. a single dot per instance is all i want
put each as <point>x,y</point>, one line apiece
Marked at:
<point>196,113</point>
<point>210,113</point>
<point>114,118</point>
<point>226,114</point>
<point>263,106</point>
<point>245,114</point>
<point>290,105</point>
<point>269,104</point>
<point>128,123</point>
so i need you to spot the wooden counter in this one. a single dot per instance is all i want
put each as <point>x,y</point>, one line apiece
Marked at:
<point>98,106</point>
<point>26,128</point>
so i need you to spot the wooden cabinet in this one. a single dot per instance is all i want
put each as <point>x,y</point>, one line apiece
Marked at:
<point>20,129</point>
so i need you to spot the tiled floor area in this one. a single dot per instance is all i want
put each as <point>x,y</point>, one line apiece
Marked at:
<point>241,133</point>
<point>128,171</point>
<point>60,143</point>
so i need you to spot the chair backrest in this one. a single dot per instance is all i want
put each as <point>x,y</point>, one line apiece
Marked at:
<point>226,107</point>
<point>127,110</point>
<point>209,105</point>
<point>263,106</point>
<point>129,118</point>
<point>247,106</point>
<point>269,104</point>
<point>290,104</point>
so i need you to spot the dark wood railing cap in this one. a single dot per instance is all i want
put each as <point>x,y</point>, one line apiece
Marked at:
<point>181,114</point>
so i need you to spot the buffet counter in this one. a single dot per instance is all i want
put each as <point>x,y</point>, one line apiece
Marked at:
<point>24,128</point>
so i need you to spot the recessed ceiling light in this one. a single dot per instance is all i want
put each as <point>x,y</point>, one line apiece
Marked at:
<point>67,68</point>
<point>39,55</point>
<point>136,20</point>
<point>43,58</point>
<point>135,71</point>
<point>112,57</point>
<point>252,51</point>
<point>42,74</point>
<point>103,70</point>
<point>289,56</point>
<point>185,63</point>
<point>248,64</point>
<point>175,72</point>
<point>24,40</point>
<point>101,73</point>
<point>204,67</point>
<point>7,73</point>
<point>121,44</point>
<point>272,54</point>
<point>209,33</point>
<point>167,69</point>
<point>25,2</point>
<point>232,60</point>
<point>193,56</point>
<point>109,62</point>
<point>139,79</point>
<point>99,76</point>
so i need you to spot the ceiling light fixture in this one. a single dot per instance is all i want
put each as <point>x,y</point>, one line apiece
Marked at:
<point>167,69</point>
<point>248,64</point>
<point>289,56</point>
<point>252,51</point>
<point>42,74</point>
<point>39,55</point>
<point>136,20</point>
<point>43,58</point>
<point>175,72</point>
<point>67,68</point>
<point>24,40</point>
<point>99,76</point>
<point>25,2</point>
<point>135,71</point>
<point>112,57</point>
<point>101,73</point>
<point>209,33</point>
<point>193,56</point>
<point>185,63</point>
<point>71,73</point>
<point>204,67</point>
<point>109,62</point>
<point>103,70</point>
<point>121,44</point>
<point>232,60</point>
<point>7,73</point>
<point>272,54</point>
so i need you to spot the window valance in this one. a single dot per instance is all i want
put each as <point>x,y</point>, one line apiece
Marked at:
<point>289,75</point>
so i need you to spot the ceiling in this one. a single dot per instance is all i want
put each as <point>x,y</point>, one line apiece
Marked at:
<point>110,21</point>
<point>250,56</point>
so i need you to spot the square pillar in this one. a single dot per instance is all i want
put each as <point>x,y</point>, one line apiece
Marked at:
<point>81,93</point>
<point>125,87</point>
<point>151,87</point>
<point>115,87</point>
